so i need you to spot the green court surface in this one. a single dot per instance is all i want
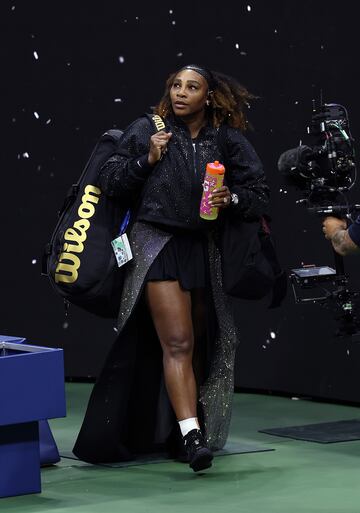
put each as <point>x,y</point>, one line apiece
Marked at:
<point>295,477</point>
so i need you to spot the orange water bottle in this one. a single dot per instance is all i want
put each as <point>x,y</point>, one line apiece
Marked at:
<point>214,178</point>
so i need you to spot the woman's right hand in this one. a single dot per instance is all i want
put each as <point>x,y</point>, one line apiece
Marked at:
<point>158,144</point>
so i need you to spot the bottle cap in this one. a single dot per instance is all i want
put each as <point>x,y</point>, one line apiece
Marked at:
<point>215,168</point>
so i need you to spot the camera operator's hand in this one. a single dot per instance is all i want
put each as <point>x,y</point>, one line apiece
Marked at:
<point>331,225</point>
<point>337,232</point>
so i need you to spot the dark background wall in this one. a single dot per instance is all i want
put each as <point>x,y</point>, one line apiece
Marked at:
<point>73,70</point>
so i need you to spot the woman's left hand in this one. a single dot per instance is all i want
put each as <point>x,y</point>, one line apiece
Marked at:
<point>220,198</point>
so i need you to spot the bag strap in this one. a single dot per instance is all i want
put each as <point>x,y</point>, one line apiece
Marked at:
<point>157,121</point>
<point>159,124</point>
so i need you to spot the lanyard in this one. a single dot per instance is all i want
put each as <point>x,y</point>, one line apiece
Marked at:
<point>125,222</point>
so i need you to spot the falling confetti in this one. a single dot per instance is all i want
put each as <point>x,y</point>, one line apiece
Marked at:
<point>237,46</point>
<point>171,11</point>
<point>48,121</point>
<point>36,55</point>
<point>33,261</point>
<point>121,59</point>
<point>36,115</point>
<point>180,54</point>
<point>25,155</point>
<point>117,100</point>
<point>243,53</point>
<point>248,8</point>
<point>272,334</point>
<point>65,325</point>
<point>173,22</point>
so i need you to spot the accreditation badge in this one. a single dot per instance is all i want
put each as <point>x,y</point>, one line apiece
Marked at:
<point>122,249</point>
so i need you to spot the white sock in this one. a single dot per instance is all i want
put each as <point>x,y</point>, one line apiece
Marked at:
<point>187,425</point>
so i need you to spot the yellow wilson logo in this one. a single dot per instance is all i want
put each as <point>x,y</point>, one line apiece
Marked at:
<point>159,123</point>
<point>69,261</point>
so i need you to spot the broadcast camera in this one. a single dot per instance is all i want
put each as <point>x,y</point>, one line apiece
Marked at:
<point>324,172</point>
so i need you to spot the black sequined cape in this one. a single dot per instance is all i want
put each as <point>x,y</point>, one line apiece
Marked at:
<point>129,412</point>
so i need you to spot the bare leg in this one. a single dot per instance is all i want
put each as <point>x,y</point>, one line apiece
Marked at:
<point>198,304</point>
<point>170,308</point>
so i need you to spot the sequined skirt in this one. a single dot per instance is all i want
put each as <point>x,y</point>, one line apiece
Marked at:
<point>184,258</point>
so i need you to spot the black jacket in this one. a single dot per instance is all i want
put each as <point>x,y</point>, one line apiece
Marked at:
<point>170,192</point>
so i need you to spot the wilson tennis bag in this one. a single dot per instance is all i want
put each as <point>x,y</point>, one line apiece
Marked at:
<point>79,260</point>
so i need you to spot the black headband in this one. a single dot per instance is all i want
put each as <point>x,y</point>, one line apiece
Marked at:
<point>204,73</point>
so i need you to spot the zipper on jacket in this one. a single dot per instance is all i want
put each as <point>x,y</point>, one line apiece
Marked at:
<point>195,207</point>
<point>193,142</point>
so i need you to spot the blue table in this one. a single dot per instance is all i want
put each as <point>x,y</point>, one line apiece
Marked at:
<point>32,389</point>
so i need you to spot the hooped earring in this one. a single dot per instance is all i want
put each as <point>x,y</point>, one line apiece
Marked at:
<point>207,102</point>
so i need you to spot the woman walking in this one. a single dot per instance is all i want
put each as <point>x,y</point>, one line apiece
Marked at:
<point>167,383</point>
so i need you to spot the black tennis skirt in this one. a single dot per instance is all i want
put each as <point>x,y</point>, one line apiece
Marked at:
<point>184,258</point>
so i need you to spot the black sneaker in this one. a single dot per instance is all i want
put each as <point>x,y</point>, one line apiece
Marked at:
<point>199,455</point>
